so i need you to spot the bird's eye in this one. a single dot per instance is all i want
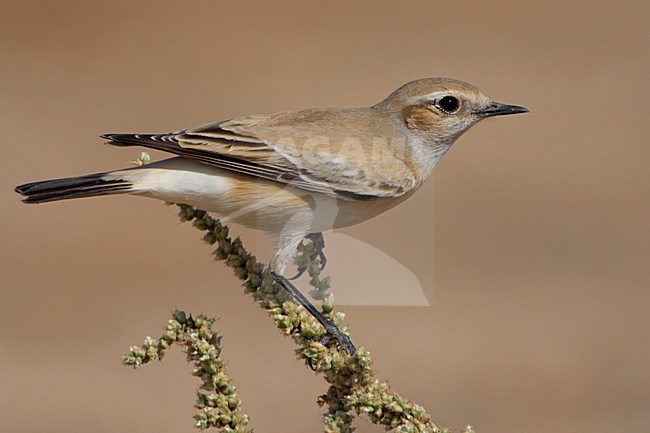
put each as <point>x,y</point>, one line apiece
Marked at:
<point>449,103</point>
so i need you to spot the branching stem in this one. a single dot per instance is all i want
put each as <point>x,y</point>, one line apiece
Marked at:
<point>353,389</point>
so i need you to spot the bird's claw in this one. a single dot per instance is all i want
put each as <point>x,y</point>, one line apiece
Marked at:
<point>342,339</point>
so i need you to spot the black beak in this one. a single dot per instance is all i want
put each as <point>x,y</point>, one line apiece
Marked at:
<point>498,109</point>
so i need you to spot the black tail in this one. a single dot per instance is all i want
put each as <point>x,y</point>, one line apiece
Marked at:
<point>91,185</point>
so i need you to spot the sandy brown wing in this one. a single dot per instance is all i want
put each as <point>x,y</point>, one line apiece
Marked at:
<point>333,149</point>
<point>246,153</point>
<point>213,146</point>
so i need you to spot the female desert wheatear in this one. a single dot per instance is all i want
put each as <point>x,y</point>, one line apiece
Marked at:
<point>294,173</point>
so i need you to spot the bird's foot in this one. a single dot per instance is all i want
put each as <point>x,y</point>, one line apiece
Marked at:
<point>318,241</point>
<point>317,255</point>
<point>333,332</point>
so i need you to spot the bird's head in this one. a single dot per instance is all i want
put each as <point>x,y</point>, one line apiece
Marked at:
<point>441,109</point>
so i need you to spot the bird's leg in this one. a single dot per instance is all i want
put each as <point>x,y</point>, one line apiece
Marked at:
<point>332,331</point>
<point>318,245</point>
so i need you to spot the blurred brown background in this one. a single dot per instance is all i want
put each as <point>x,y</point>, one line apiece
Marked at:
<point>539,223</point>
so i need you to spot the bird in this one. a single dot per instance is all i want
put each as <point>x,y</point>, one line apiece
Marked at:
<point>292,174</point>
